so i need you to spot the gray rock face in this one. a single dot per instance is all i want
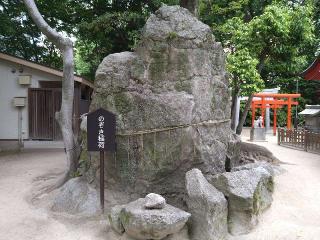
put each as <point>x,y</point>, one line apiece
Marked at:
<point>77,197</point>
<point>233,152</point>
<point>250,153</point>
<point>208,208</point>
<point>171,100</point>
<point>154,201</point>
<point>182,235</point>
<point>114,219</point>
<point>249,193</point>
<point>141,223</point>
<point>274,170</point>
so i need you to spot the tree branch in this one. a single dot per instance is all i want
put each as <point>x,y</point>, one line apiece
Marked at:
<point>65,116</point>
<point>50,33</point>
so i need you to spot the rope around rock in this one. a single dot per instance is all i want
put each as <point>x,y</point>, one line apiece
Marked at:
<point>155,130</point>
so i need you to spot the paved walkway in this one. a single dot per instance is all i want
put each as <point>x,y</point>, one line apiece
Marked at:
<point>294,214</point>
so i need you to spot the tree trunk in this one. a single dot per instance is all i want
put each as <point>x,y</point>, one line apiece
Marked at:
<point>64,117</point>
<point>234,111</point>
<point>244,114</point>
<point>262,59</point>
<point>191,5</point>
<point>234,103</point>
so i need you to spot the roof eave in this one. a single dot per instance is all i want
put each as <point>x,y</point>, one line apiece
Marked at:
<point>43,68</point>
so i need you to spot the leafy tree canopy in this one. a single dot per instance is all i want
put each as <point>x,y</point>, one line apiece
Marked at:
<point>282,45</point>
<point>100,27</point>
<point>20,37</point>
<point>268,43</point>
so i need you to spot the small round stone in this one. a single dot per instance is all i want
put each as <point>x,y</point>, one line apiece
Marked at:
<point>154,201</point>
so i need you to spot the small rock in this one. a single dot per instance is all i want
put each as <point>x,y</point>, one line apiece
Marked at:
<point>141,223</point>
<point>154,201</point>
<point>114,219</point>
<point>208,208</point>
<point>77,197</point>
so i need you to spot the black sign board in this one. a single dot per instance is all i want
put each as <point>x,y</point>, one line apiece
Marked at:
<point>101,131</point>
<point>101,136</point>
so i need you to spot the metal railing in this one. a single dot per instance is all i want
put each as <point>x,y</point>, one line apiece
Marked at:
<point>300,139</point>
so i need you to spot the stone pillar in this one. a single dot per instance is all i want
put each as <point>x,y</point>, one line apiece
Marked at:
<point>237,114</point>
<point>267,121</point>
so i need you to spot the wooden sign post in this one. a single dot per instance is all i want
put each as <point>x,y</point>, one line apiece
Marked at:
<point>101,135</point>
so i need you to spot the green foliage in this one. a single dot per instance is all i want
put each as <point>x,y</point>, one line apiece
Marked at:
<point>217,13</point>
<point>20,37</point>
<point>116,29</point>
<point>100,27</point>
<point>269,40</point>
<point>172,36</point>
<point>243,69</point>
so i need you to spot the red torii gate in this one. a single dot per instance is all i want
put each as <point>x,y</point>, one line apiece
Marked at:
<point>274,101</point>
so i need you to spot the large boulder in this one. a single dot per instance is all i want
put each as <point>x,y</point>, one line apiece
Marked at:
<point>249,193</point>
<point>171,100</point>
<point>208,208</point>
<point>77,197</point>
<point>142,223</point>
<point>273,169</point>
<point>251,153</point>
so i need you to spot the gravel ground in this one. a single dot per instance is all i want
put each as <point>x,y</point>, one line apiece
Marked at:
<point>294,214</point>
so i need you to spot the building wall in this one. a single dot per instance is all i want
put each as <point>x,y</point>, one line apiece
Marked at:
<point>9,89</point>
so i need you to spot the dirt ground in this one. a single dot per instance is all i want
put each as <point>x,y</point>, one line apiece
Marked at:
<point>21,177</point>
<point>294,214</point>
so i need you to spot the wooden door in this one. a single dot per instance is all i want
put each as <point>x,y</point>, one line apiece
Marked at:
<point>56,93</point>
<point>43,103</point>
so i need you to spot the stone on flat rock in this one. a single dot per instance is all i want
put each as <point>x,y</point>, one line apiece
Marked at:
<point>154,201</point>
<point>171,100</point>
<point>114,219</point>
<point>208,208</point>
<point>77,197</point>
<point>249,193</point>
<point>140,223</point>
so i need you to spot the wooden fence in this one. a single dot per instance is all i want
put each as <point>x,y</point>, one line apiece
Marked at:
<point>301,139</point>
